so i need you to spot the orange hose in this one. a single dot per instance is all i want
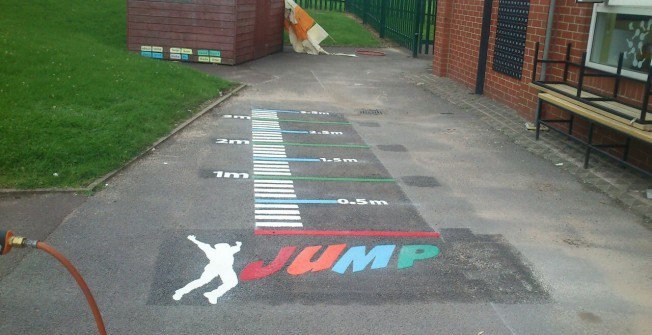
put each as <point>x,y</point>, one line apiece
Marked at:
<point>80,281</point>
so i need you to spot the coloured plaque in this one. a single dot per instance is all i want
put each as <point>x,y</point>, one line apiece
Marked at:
<point>201,52</point>
<point>215,59</point>
<point>157,55</point>
<point>145,48</point>
<point>175,50</point>
<point>203,59</point>
<point>185,57</point>
<point>215,53</point>
<point>175,56</point>
<point>157,49</point>
<point>186,51</point>
<point>146,53</point>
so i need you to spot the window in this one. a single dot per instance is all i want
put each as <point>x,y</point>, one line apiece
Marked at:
<point>621,29</point>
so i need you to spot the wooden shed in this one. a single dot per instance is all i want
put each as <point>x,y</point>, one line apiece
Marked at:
<point>206,31</point>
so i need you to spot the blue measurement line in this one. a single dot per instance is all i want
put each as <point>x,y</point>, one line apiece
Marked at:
<point>258,158</point>
<point>297,201</point>
<point>281,131</point>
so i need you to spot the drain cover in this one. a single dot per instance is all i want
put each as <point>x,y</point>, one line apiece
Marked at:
<point>369,124</point>
<point>393,148</point>
<point>371,112</point>
<point>420,181</point>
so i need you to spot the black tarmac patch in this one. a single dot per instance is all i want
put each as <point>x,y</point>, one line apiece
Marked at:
<point>469,269</point>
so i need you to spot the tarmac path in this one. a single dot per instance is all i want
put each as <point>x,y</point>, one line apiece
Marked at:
<point>332,196</point>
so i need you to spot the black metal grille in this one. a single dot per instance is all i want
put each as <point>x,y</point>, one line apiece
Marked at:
<point>510,37</point>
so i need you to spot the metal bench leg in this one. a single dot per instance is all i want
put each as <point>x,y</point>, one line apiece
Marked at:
<point>538,118</point>
<point>570,125</point>
<point>588,146</point>
<point>626,150</point>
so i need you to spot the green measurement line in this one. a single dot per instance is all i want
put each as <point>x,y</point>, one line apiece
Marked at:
<point>315,144</point>
<point>301,121</point>
<point>364,180</point>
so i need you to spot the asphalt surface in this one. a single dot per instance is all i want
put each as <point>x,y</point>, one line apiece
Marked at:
<point>269,189</point>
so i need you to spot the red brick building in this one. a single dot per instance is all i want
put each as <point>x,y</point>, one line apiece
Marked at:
<point>458,46</point>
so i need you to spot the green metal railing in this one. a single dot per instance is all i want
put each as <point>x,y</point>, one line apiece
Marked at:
<point>407,22</point>
<point>331,5</point>
<point>410,23</point>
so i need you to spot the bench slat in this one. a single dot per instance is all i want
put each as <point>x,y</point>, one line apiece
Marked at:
<point>631,112</point>
<point>564,103</point>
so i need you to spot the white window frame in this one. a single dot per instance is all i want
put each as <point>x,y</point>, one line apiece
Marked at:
<point>624,7</point>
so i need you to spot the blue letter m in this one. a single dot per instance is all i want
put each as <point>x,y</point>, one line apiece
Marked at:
<point>357,256</point>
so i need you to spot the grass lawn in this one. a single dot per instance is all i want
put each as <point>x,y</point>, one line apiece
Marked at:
<point>343,30</point>
<point>74,104</point>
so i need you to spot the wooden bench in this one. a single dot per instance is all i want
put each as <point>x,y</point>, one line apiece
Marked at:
<point>610,105</point>
<point>599,109</point>
<point>594,119</point>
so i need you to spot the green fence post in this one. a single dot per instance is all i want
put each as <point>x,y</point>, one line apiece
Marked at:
<point>383,18</point>
<point>365,10</point>
<point>417,28</point>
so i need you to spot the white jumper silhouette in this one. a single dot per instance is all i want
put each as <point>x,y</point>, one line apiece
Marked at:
<point>220,264</point>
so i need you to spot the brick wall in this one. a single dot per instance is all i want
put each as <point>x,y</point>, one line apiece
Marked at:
<point>227,26</point>
<point>457,41</point>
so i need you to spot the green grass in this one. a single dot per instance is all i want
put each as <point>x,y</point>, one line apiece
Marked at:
<point>73,101</point>
<point>343,30</point>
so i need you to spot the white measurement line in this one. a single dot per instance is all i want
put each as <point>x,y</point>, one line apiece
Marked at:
<point>274,195</point>
<point>273,190</point>
<point>268,151</point>
<point>281,149</point>
<point>270,170</point>
<point>257,186</point>
<point>276,206</point>
<point>277,212</point>
<point>267,131</point>
<point>265,124</point>
<point>255,139</point>
<point>279,224</point>
<point>268,146</point>
<point>271,156</point>
<point>278,217</point>
<point>264,165</point>
<point>273,173</point>
<point>267,136</point>
<point>276,171</point>
<point>275,154</point>
<point>265,114</point>
<point>274,181</point>
<point>257,152</point>
<point>271,162</point>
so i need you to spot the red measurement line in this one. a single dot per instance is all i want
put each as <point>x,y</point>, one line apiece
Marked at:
<point>370,233</point>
